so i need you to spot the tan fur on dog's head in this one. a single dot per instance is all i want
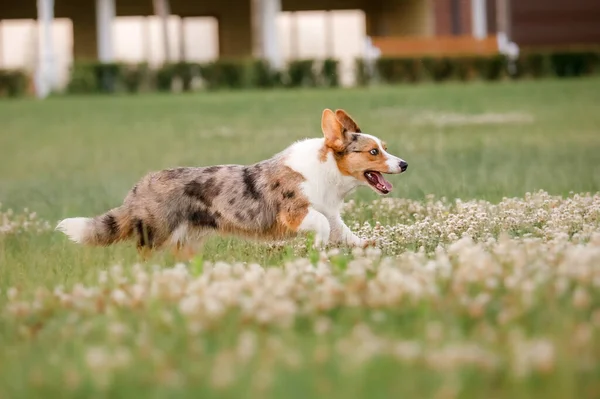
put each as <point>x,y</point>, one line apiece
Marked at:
<point>354,152</point>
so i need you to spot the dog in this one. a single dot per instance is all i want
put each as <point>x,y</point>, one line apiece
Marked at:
<point>299,190</point>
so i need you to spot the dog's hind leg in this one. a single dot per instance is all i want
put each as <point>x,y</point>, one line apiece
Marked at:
<point>186,242</point>
<point>184,252</point>
<point>144,253</point>
<point>149,239</point>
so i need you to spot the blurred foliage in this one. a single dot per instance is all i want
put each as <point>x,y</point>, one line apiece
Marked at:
<point>330,74</point>
<point>13,83</point>
<point>530,64</point>
<point>399,70</point>
<point>362,71</point>
<point>83,79</point>
<point>136,77</point>
<point>261,74</point>
<point>301,73</point>
<point>439,69</point>
<point>164,77</point>
<point>95,77</point>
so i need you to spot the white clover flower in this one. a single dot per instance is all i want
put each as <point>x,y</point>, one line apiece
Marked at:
<point>98,358</point>
<point>119,297</point>
<point>246,346</point>
<point>12,293</point>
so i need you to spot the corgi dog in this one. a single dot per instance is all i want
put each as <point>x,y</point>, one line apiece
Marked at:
<point>299,190</point>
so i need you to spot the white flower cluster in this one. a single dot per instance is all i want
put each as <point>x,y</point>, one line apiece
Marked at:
<point>510,288</point>
<point>11,222</point>
<point>431,223</point>
<point>495,284</point>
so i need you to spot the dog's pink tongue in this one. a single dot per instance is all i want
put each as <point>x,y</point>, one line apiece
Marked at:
<point>383,182</point>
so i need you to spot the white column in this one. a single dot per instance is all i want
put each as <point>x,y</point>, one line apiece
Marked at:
<point>182,41</point>
<point>479,18</point>
<point>329,36</point>
<point>272,51</point>
<point>1,46</point>
<point>105,14</point>
<point>145,26</point>
<point>294,37</point>
<point>45,69</point>
<point>265,28</point>
<point>503,17</point>
<point>162,9</point>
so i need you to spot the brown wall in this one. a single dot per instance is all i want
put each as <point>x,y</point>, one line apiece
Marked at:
<point>555,22</point>
<point>400,18</point>
<point>491,17</point>
<point>445,22</point>
<point>465,17</point>
<point>83,15</point>
<point>310,5</point>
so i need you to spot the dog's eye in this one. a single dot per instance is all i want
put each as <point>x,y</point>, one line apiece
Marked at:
<point>374,151</point>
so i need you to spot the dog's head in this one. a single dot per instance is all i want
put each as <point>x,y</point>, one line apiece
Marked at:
<point>357,154</point>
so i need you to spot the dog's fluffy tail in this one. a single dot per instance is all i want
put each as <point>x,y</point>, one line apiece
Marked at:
<point>103,230</point>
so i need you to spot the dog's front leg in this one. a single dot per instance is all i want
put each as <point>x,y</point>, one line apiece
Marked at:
<point>316,222</point>
<point>340,233</point>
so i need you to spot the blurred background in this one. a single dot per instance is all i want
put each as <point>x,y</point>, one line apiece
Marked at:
<point>133,45</point>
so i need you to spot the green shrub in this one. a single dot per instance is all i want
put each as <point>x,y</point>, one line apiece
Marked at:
<point>535,65</point>
<point>572,64</point>
<point>83,78</point>
<point>95,77</point>
<point>465,68</point>
<point>225,74</point>
<point>330,76</point>
<point>490,68</point>
<point>135,77</point>
<point>518,71</point>
<point>186,72</point>
<point>439,69</point>
<point>108,76</point>
<point>595,62</point>
<point>388,70</point>
<point>261,74</point>
<point>399,70</point>
<point>208,73</point>
<point>13,83</point>
<point>232,73</point>
<point>557,63</point>
<point>362,72</point>
<point>242,73</point>
<point>301,73</point>
<point>164,77</point>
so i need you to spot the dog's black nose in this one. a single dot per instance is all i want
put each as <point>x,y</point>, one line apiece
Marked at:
<point>403,166</point>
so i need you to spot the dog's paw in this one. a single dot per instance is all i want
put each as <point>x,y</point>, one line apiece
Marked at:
<point>362,243</point>
<point>368,243</point>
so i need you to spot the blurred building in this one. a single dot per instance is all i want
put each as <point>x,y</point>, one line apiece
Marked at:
<point>278,29</point>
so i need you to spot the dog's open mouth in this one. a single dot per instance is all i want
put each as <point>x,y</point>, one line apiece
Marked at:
<point>376,180</point>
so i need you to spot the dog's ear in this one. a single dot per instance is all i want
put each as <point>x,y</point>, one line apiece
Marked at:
<point>333,130</point>
<point>347,121</point>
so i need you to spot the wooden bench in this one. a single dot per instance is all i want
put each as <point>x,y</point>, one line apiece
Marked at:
<point>440,46</point>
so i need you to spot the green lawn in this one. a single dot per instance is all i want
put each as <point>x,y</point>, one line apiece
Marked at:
<point>78,156</point>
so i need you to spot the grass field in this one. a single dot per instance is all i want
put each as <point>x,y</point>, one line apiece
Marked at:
<point>494,296</point>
